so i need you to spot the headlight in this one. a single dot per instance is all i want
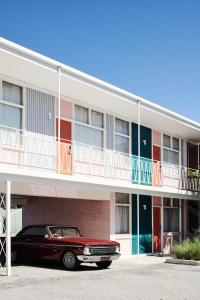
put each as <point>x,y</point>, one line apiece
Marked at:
<point>117,249</point>
<point>86,251</point>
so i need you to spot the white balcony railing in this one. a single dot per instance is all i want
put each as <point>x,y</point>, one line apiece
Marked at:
<point>30,151</point>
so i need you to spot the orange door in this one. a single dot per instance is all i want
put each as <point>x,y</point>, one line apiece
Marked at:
<point>157,229</point>
<point>65,146</point>
<point>156,165</point>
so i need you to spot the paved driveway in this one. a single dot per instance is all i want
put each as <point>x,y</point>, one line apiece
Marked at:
<point>132,278</point>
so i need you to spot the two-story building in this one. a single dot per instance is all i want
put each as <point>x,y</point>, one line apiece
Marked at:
<point>75,150</point>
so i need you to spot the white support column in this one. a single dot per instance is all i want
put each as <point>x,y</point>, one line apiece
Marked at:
<point>8,229</point>
<point>138,223</point>
<point>139,121</point>
<point>59,69</point>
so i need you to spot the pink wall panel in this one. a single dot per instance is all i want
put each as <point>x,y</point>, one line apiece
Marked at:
<point>157,138</point>
<point>65,109</point>
<point>90,216</point>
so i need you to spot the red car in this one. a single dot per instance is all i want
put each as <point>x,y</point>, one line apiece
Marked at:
<point>64,244</point>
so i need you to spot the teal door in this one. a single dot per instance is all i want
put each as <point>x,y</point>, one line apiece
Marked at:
<point>145,224</point>
<point>145,153</point>
<point>134,225</point>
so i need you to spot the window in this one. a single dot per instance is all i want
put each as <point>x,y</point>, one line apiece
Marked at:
<point>121,127</point>
<point>12,93</point>
<point>11,105</point>
<point>171,214</point>
<point>64,231</point>
<point>81,114</point>
<point>171,149</point>
<point>121,136</point>
<point>89,127</point>
<point>35,231</point>
<point>122,213</point>
<point>97,119</point>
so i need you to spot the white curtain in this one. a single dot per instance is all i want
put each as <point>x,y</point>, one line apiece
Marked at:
<point>12,93</point>
<point>81,114</point>
<point>171,157</point>
<point>122,219</point>
<point>97,119</point>
<point>121,143</point>
<point>87,135</point>
<point>10,116</point>
<point>121,127</point>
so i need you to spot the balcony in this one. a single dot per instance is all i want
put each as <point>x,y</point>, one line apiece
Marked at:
<point>33,152</point>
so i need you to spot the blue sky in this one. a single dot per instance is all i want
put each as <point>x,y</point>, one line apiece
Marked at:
<point>149,47</point>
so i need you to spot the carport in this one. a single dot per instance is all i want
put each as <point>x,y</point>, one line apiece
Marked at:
<point>12,184</point>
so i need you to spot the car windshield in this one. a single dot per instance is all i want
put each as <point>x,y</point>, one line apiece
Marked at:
<point>57,231</point>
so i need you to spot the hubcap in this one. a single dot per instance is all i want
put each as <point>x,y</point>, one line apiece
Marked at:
<point>69,260</point>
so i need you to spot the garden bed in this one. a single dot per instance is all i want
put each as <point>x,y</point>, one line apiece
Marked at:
<point>186,252</point>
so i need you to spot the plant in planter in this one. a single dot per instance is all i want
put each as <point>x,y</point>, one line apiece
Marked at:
<point>188,249</point>
<point>193,178</point>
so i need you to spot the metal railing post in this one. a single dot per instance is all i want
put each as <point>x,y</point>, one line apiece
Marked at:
<point>8,229</point>
<point>59,68</point>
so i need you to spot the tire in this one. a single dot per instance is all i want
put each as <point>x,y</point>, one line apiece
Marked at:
<point>70,261</point>
<point>14,256</point>
<point>103,264</point>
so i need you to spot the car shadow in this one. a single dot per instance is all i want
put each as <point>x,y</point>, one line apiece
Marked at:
<point>55,266</point>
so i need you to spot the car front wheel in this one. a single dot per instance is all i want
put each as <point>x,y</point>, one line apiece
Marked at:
<point>70,261</point>
<point>103,264</point>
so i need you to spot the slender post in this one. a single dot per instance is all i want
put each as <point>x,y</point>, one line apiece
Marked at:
<point>59,69</point>
<point>139,160</point>
<point>138,224</point>
<point>8,230</point>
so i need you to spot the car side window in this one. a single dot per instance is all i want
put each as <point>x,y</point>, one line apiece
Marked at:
<point>35,231</point>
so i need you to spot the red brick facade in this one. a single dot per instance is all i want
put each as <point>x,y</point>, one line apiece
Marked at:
<point>91,216</point>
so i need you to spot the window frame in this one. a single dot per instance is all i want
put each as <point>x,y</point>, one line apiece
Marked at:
<point>171,206</point>
<point>171,148</point>
<point>12,104</point>
<point>122,135</point>
<point>89,124</point>
<point>129,214</point>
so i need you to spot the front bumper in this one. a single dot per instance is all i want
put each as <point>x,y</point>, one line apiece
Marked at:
<point>97,258</point>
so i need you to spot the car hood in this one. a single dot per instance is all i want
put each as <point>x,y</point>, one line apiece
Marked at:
<point>84,241</point>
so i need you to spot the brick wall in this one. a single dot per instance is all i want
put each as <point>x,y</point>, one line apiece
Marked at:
<point>92,217</point>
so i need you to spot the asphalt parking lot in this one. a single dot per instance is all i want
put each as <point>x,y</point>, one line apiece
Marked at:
<point>132,278</point>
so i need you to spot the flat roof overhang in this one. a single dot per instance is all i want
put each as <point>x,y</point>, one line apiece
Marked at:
<point>38,71</point>
<point>98,184</point>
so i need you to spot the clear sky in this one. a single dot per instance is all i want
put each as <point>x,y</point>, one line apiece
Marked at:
<point>149,47</point>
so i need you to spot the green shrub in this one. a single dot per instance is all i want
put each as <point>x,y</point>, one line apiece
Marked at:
<point>188,249</point>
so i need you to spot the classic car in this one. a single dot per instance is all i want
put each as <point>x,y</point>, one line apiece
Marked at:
<point>64,244</point>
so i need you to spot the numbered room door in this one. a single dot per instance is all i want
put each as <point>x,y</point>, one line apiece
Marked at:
<point>157,229</point>
<point>65,147</point>
<point>145,224</point>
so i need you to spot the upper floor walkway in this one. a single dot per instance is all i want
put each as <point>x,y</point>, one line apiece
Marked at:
<point>40,154</point>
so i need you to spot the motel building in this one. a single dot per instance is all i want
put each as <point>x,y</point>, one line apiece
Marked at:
<point>75,150</point>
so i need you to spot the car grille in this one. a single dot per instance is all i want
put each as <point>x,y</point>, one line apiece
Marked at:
<point>102,250</point>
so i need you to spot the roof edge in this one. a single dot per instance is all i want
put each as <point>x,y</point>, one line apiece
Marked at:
<point>99,83</point>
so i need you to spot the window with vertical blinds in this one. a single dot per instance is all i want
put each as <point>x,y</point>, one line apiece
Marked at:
<point>89,127</point>
<point>122,213</point>
<point>121,136</point>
